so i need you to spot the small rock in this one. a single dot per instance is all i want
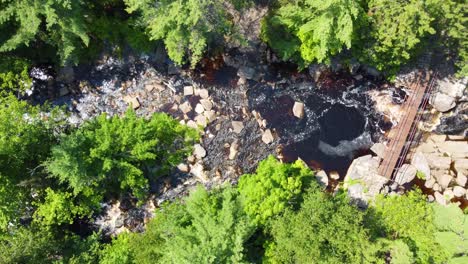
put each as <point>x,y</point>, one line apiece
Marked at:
<point>436,187</point>
<point>198,171</point>
<point>149,87</point>
<point>198,151</point>
<point>461,179</point>
<point>459,191</point>
<point>183,167</point>
<point>203,93</point>
<point>233,150</point>
<point>191,159</point>
<point>185,107</point>
<point>405,174</point>
<point>199,108</point>
<point>430,198</point>
<point>207,104</point>
<point>358,77</point>
<point>322,178</point>
<point>132,100</point>
<point>419,161</point>
<point>241,81</point>
<point>246,72</point>
<point>267,137</point>
<point>210,115</point>
<point>237,126</point>
<point>188,90</point>
<point>298,109</point>
<point>436,138</point>
<point>334,175</point>
<point>448,194</point>
<point>440,198</point>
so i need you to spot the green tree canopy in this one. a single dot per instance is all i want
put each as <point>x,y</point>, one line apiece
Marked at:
<point>108,154</point>
<point>187,27</point>
<point>317,29</point>
<point>326,229</point>
<point>210,227</point>
<point>274,187</point>
<point>59,23</point>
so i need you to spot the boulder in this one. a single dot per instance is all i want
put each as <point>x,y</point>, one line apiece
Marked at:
<point>185,107</point>
<point>436,138</point>
<point>201,120</point>
<point>405,174</point>
<point>456,149</point>
<point>199,108</point>
<point>322,178</point>
<point>459,191</point>
<point>207,104</point>
<point>298,109</point>
<point>267,136</point>
<point>198,171</point>
<point>443,102</point>
<point>461,166</point>
<point>237,126</point>
<point>443,180</point>
<point>430,198</point>
<point>419,161</point>
<point>183,167</point>
<point>233,150</point>
<point>448,194</point>
<point>192,124</point>
<point>436,187</point>
<point>379,149</point>
<point>438,162</point>
<point>451,87</point>
<point>461,179</point>
<point>199,151</point>
<point>203,93</point>
<point>246,72</point>
<point>132,100</point>
<point>188,90</point>
<point>429,183</point>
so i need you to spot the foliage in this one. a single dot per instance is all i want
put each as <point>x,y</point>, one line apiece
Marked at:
<point>210,227</point>
<point>108,154</point>
<point>60,23</point>
<point>314,29</point>
<point>14,75</point>
<point>398,28</point>
<point>26,136</point>
<point>326,229</point>
<point>273,188</point>
<point>452,230</point>
<point>420,175</point>
<point>187,27</point>
<point>408,218</point>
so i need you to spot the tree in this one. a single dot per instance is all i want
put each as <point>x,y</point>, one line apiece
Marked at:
<point>59,23</point>
<point>398,29</point>
<point>326,229</point>
<point>187,27</point>
<point>274,187</point>
<point>14,75</point>
<point>109,154</point>
<point>26,136</point>
<point>409,219</point>
<point>315,30</point>
<point>210,227</point>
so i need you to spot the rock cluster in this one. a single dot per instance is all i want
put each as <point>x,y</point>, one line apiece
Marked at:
<point>448,92</point>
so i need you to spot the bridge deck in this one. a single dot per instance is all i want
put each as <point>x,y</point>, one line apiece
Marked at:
<point>399,134</point>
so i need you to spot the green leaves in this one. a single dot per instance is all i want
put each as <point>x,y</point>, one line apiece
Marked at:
<point>273,188</point>
<point>322,28</point>
<point>108,154</point>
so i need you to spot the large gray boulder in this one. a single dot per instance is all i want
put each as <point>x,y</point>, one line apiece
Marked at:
<point>443,102</point>
<point>405,174</point>
<point>419,161</point>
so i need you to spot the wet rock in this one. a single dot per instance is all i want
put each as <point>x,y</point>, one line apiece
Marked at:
<point>188,90</point>
<point>316,70</point>
<point>246,72</point>
<point>322,178</point>
<point>334,175</point>
<point>442,102</point>
<point>199,108</point>
<point>419,161</point>
<point>267,137</point>
<point>185,107</point>
<point>207,104</point>
<point>298,109</point>
<point>440,198</point>
<point>405,174</point>
<point>237,126</point>
<point>379,149</point>
<point>459,191</point>
<point>198,151</point>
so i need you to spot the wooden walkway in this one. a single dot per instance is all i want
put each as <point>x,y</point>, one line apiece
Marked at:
<point>404,131</point>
